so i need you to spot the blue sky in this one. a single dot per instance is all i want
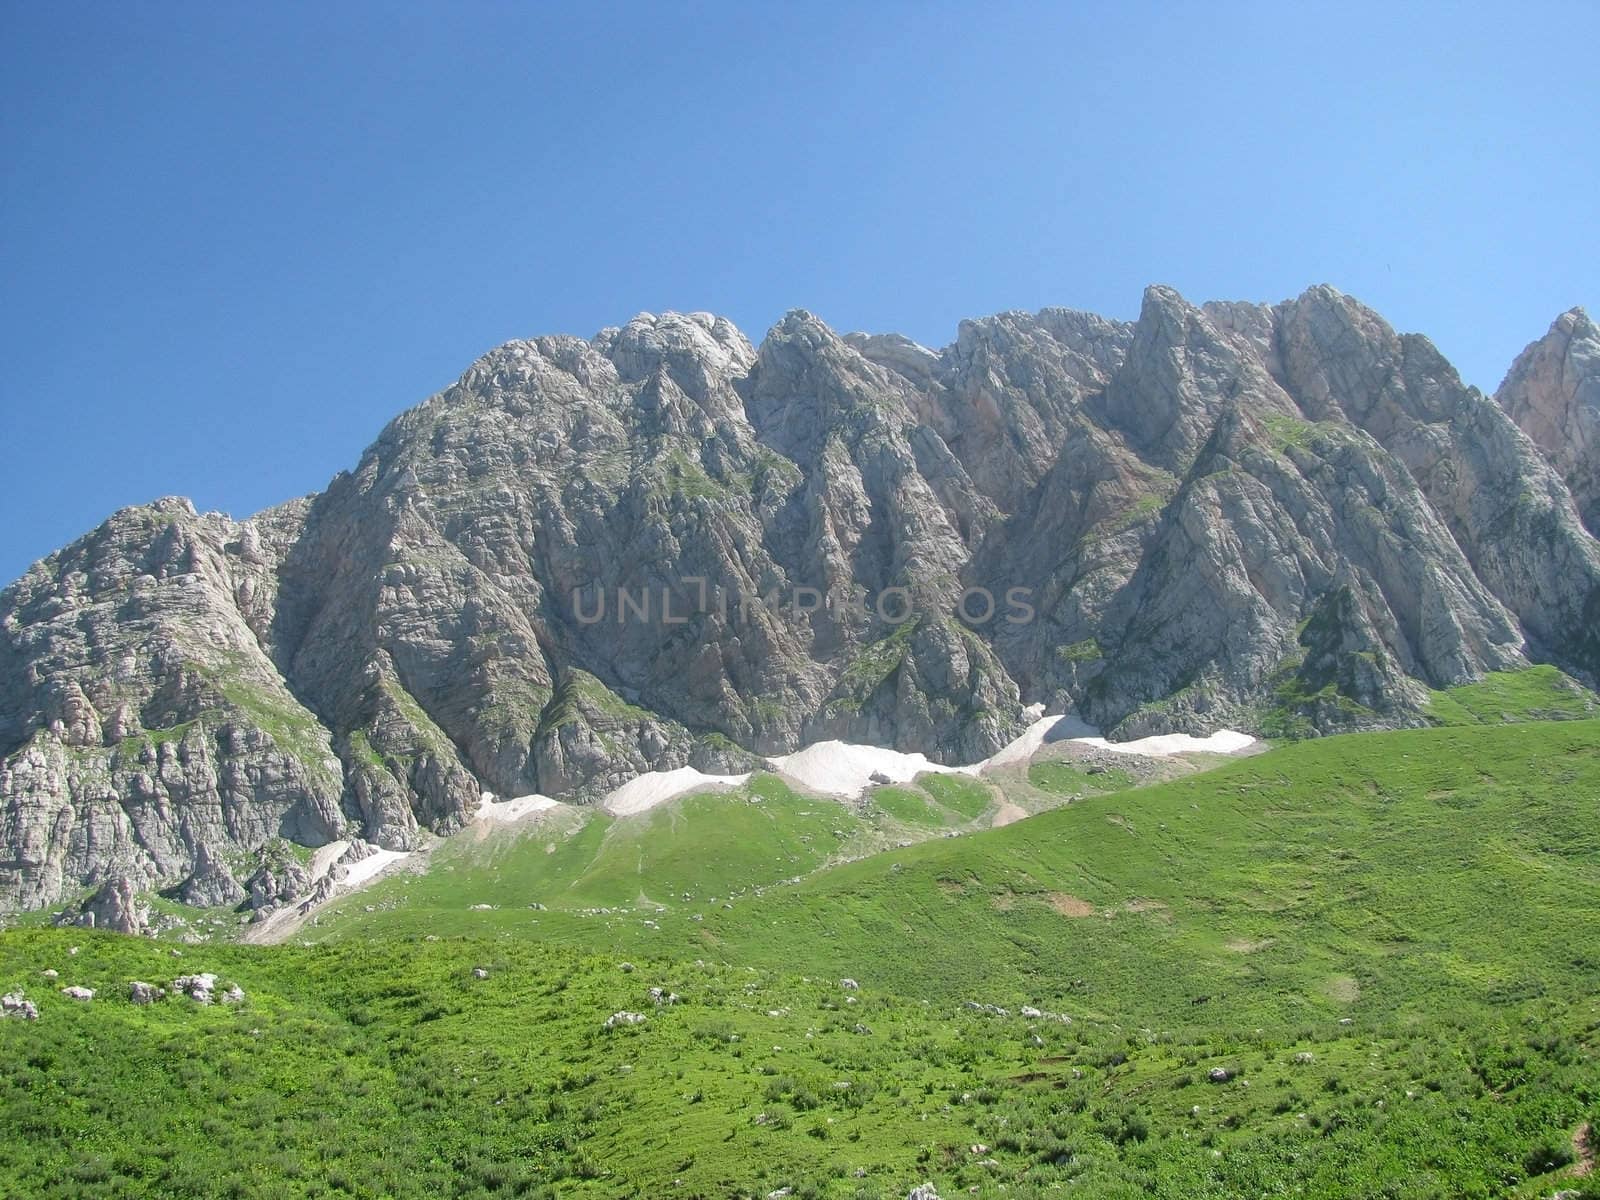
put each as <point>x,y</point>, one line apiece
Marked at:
<point>235,240</point>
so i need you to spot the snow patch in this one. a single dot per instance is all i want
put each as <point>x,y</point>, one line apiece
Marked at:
<point>1223,741</point>
<point>1043,729</point>
<point>364,870</point>
<point>514,809</point>
<point>323,857</point>
<point>845,769</point>
<point>657,787</point>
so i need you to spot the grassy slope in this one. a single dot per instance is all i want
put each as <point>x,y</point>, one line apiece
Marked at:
<point>1541,693</point>
<point>1439,889</point>
<point>700,850</point>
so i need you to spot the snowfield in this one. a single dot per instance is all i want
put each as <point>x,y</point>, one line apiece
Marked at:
<point>514,809</point>
<point>846,769</point>
<point>362,872</point>
<point>1223,741</point>
<point>657,787</point>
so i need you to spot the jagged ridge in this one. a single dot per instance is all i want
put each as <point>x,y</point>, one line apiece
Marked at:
<point>1275,517</point>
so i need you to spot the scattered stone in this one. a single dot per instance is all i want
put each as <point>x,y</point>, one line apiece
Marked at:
<point>849,985</point>
<point>626,968</point>
<point>144,993</point>
<point>15,1004</point>
<point>1220,1075</point>
<point>51,973</point>
<point>78,993</point>
<point>196,987</point>
<point>619,1019</point>
<point>924,1191</point>
<point>1304,1057</point>
<point>993,1010</point>
<point>234,995</point>
<point>480,973</point>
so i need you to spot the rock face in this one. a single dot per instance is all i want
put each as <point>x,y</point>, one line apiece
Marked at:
<point>664,546</point>
<point>114,907</point>
<point>1553,393</point>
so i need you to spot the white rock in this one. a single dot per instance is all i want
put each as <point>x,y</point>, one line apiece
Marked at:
<point>196,987</point>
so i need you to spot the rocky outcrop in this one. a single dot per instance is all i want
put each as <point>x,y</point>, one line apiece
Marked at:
<point>665,546</point>
<point>116,907</point>
<point>210,883</point>
<point>280,877</point>
<point>1553,393</point>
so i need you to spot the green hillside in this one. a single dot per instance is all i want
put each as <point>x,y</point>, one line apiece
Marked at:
<point>1387,943</point>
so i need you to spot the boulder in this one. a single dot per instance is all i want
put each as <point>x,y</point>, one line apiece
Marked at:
<point>197,987</point>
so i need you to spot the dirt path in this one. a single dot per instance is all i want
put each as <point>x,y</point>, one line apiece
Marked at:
<point>1583,1145</point>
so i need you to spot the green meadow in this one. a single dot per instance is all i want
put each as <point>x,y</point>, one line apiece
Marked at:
<point>1360,966</point>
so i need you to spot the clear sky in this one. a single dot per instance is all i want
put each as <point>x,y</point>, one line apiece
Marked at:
<point>236,239</point>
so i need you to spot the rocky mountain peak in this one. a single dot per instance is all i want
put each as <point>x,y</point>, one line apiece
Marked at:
<point>664,546</point>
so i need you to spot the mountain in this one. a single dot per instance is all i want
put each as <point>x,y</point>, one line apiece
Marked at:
<point>590,559</point>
